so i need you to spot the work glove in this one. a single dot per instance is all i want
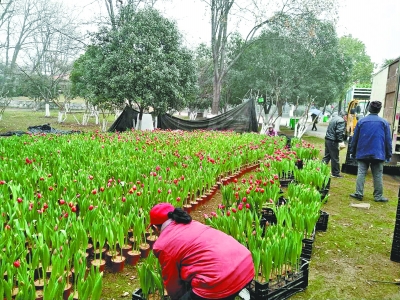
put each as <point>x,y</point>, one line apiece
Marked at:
<point>351,156</point>
<point>342,146</point>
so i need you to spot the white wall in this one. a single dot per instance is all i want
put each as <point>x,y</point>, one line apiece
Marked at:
<point>378,91</point>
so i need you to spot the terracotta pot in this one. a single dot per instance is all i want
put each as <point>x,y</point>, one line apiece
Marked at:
<point>194,205</point>
<point>88,259</point>
<point>151,240</point>
<point>132,241</point>
<point>39,284</point>
<point>125,249</point>
<point>67,291</point>
<point>205,198</point>
<point>76,295</point>
<point>96,252</point>
<point>14,292</point>
<point>109,255</point>
<point>39,295</point>
<point>110,247</point>
<point>144,250</point>
<point>117,264</point>
<point>89,249</point>
<point>133,257</point>
<point>99,263</point>
<point>38,273</point>
<point>187,208</point>
<point>73,278</point>
<point>48,271</point>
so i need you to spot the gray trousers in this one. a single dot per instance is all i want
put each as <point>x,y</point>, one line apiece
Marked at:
<point>377,171</point>
<point>332,154</point>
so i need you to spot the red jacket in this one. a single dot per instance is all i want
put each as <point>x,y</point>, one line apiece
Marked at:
<point>215,263</point>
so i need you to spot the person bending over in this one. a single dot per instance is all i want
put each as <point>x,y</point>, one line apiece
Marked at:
<point>214,264</point>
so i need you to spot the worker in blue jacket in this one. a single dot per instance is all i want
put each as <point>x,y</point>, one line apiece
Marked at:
<point>371,146</point>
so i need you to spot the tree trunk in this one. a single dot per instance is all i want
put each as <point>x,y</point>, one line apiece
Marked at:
<point>216,96</point>
<point>140,117</point>
<point>47,110</point>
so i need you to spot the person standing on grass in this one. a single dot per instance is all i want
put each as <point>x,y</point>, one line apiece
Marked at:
<point>334,142</point>
<point>212,263</point>
<point>371,145</point>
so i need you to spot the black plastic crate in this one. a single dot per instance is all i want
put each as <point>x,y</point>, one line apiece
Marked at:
<point>323,193</point>
<point>307,248</point>
<point>268,215</point>
<point>138,295</point>
<point>322,223</point>
<point>288,287</point>
<point>395,253</point>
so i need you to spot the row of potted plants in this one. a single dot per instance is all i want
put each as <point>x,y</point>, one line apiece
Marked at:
<point>66,192</point>
<point>70,191</point>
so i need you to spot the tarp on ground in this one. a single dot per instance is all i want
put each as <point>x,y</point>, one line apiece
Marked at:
<point>240,119</point>
<point>39,129</point>
<point>126,120</point>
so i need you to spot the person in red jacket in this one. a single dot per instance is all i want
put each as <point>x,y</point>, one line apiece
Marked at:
<point>214,264</point>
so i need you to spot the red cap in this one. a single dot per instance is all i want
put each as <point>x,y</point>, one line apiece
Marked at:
<point>159,213</point>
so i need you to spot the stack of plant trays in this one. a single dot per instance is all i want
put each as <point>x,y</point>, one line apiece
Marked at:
<point>395,254</point>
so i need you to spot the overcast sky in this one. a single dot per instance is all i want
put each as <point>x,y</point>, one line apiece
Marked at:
<point>375,22</point>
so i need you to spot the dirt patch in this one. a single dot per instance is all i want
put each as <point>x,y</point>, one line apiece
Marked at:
<point>206,208</point>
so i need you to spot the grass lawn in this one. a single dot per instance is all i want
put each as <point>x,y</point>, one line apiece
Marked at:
<point>353,251</point>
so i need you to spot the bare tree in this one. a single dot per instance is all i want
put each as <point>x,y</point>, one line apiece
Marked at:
<point>54,48</point>
<point>224,11</point>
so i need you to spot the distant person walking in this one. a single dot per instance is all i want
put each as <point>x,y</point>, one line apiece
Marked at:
<point>314,119</point>
<point>334,141</point>
<point>371,145</point>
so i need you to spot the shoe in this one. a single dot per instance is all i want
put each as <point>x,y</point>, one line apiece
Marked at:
<point>356,196</point>
<point>337,176</point>
<point>383,199</point>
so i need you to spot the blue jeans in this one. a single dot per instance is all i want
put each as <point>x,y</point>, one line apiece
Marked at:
<point>377,171</point>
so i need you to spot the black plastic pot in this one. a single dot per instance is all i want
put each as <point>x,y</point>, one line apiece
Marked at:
<point>298,283</point>
<point>322,223</point>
